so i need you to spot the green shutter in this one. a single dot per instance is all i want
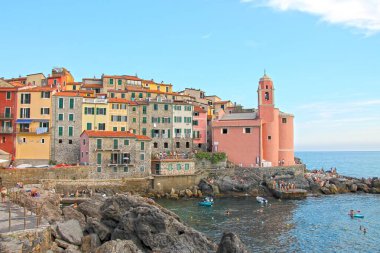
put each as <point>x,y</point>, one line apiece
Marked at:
<point>60,103</point>
<point>60,131</point>
<point>70,131</point>
<point>115,143</point>
<point>152,133</point>
<point>168,133</point>
<point>71,117</point>
<point>71,103</point>
<point>60,117</point>
<point>99,143</point>
<point>142,145</point>
<point>89,126</point>
<point>99,158</point>
<point>144,131</point>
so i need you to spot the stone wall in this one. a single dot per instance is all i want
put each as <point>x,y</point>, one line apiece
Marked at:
<point>173,167</point>
<point>164,183</point>
<point>10,177</point>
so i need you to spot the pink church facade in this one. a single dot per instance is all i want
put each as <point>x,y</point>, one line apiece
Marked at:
<point>264,137</point>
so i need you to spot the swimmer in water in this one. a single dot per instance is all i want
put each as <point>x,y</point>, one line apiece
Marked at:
<point>364,230</point>
<point>228,213</point>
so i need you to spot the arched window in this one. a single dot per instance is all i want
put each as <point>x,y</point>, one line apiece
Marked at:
<point>266,95</point>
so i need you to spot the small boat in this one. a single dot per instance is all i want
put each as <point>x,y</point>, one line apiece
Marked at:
<point>358,215</point>
<point>208,201</point>
<point>261,200</point>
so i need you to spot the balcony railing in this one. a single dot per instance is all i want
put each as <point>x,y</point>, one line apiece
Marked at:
<point>34,130</point>
<point>6,130</point>
<point>6,116</point>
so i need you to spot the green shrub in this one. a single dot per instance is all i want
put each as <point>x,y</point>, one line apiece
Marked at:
<point>212,157</point>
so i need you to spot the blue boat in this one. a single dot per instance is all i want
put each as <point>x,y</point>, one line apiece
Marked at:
<point>357,215</point>
<point>208,201</point>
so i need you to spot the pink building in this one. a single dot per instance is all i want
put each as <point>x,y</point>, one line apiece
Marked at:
<point>199,128</point>
<point>263,137</point>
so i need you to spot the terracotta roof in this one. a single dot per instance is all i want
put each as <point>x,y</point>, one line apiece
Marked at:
<point>199,109</point>
<point>16,79</point>
<point>126,77</point>
<point>72,94</point>
<point>37,89</point>
<point>92,85</point>
<point>17,84</point>
<point>74,83</point>
<point>222,102</point>
<point>121,100</point>
<point>114,134</point>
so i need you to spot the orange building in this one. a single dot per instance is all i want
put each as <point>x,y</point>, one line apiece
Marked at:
<point>263,137</point>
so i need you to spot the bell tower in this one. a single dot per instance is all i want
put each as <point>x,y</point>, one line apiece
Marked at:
<point>266,98</point>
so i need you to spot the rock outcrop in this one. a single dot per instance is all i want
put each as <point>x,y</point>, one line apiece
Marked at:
<point>230,243</point>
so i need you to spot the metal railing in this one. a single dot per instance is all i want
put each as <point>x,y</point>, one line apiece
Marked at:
<point>6,115</point>
<point>6,130</point>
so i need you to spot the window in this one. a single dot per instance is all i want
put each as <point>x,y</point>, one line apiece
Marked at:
<point>45,111</point>
<point>71,116</point>
<point>170,167</point>
<point>247,130</point>
<point>224,131</point>
<point>188,108</point>
<point>122,129</point>
<point>144,120</point>
<point>9,95</point>
<point>99,143</point>
<point>101,111</point>
<point>71,103</point>
<point>178,166</point>
<point>89,126</point>
<point>187,167</point>
<point>266,95</point>
<point>99,158</point>
<point>284,120</point>
<point>115,106</point>
<point>142,157</point>
<point>187,144</point>
<point>60,141</point>
<point>44,124</point>
<point>196,113</point>
<point>123,96</point>
<point>177,119</point>
<point>115,143</point>
<point>24,140</point>
<point>126,142</point>
<point>42,141</point>
<point>84,141</point>
<point>111,81</point>
<point>269,137</point>
<point>195,122</point>
<point>142,146</point>
<point>126,169</point>
<point>45,94</point>
<point>177,144</point>
<point>140,95</point>
<point>177,108</point>
<point>99,169</point>
<point>25,98</point>
<point>60,131</point>
<point>142,168</point>
<point>155,107</point>
<point>102,126</point>
<point>187,119</point>
<point>60,103</point>
<point>24,113</point>
<point>60,116</point>
<point>165,120</point>
<point>114,129</point>
<point>71,131</point>
<point>89,110</point>
<point>155,145</point>
<point>134,120</point>
<point>144,131</point>
<point>70,141</point>
<point>166,107</point>
<point>112,95</point>
<point>114,169</point>
<point>133,95</point>
<point>144,109</point>
<point>134,109</point>
<point>123,106</point>
<point>119,82</point>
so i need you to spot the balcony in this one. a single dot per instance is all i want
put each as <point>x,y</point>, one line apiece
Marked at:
<point>6,116</point>
<point>6,130</point>
<point>34,130</point>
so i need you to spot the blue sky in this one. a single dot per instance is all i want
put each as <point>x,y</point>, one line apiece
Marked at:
<point>323,56</point>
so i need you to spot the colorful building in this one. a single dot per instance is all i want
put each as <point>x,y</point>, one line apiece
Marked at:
<point>162,87</point>
<point>8,111</point>
<point>200,128</point>
<point>95,114</point>
<point>117,154</point>
<point>33,130</point>
<point>59,78</point>
<point>260,138</point>
<point>182,127</point>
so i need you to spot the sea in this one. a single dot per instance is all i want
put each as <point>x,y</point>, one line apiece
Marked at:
<point>316,224</point>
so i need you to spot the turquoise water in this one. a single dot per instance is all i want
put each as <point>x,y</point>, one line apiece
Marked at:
<point>350,163</point>
<point>317,224</point>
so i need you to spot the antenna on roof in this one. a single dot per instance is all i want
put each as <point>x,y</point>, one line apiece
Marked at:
<point>265,72</point>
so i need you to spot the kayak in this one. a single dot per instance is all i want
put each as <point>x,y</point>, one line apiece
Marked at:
<point>261,200</point>
<point>205,203</point>
<point>357,215</point>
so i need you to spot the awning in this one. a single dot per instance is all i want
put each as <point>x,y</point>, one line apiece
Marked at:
<point>40,120</point>
<point>23,121</point>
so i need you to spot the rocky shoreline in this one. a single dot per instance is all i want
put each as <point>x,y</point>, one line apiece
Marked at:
<point>122,223</point>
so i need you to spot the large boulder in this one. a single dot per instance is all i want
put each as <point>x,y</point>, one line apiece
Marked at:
<point>70,231</point>
<point>188,193</point>
<point>95,226</point>
<point>325,190</point>
<point>91,208</point>
<point>230,243</point>
<point>90,243</point>
<point>333,189</point>
<point>205,187</point>
<point>363,187</point>
<point>376,183</point>
<point>353,188</point>
<point>118,246</point>
<point>70,213</point>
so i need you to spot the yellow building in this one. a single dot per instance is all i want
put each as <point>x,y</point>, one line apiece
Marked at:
<point>95,114</point>
<point>73,86</point>
<point>118,114</point>
<point>33,128</point>
<point>150,84</point>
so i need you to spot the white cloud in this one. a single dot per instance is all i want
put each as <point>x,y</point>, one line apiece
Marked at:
<point>361,14</point>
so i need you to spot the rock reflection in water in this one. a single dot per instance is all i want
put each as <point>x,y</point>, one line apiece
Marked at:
<point>260,227</point>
